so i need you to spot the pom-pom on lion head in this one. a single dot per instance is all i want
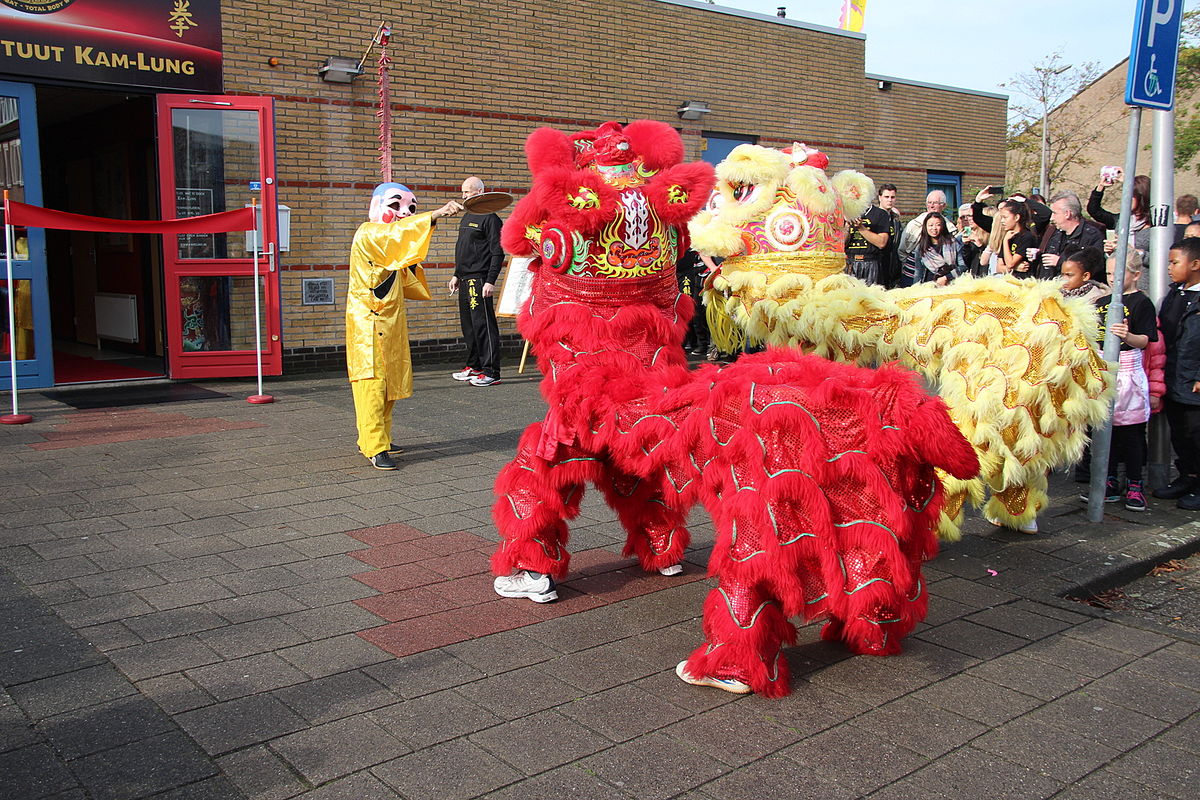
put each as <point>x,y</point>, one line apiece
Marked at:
<point>781,204</point>
<point>609,203</point>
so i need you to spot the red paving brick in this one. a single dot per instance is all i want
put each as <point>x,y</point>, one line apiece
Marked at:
<point>437,590</point>
<point>447,543</point>
<point>419,602</point>
<point>394,579</point>
<point>108,426</point>
<point>392,555</point>
<point>458,565</point>
<point>387,534</point>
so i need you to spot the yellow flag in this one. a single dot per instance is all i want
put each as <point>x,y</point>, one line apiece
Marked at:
<point>853,12</point>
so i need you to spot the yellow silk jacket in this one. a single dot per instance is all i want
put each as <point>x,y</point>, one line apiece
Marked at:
<point>377,328</point>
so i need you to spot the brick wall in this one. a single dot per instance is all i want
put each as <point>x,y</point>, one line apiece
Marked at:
<point>470,81</point>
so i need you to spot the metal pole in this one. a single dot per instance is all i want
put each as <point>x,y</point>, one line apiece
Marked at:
<point>1102,435</point>
<point>15,418</point>
<point>260,397</point>
<point>12,324</point>
<point>1162,192</point>
<point>1042,188</point>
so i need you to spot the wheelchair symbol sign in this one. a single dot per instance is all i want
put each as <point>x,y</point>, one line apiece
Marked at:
<point>1154,54</point>
<point>1153,87</point>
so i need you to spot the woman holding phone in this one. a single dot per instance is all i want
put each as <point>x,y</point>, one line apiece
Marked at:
<point>1139,225</point>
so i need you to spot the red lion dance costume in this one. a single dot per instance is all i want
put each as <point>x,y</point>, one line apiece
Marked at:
<point>818,476</point>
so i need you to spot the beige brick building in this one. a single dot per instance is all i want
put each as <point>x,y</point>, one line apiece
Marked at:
<point>1100,110</point>
<point>470,81</point>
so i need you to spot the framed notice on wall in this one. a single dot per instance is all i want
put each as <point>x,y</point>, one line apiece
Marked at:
<point>518,283</point>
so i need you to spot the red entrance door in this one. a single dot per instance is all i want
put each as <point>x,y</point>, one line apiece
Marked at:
<point>217,153</point>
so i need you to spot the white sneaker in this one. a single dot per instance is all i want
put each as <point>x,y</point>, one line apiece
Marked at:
<point>537,587</point>
<point>724,684</point>
<point>484,380</point>
<point>671,571</point>
<point>464,374</point>
<point>1025,527</point>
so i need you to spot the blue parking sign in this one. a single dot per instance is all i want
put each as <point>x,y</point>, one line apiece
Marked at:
<point>1154,54</point>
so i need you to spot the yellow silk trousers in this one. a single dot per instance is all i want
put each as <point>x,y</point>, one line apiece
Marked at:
<point>373,412</point>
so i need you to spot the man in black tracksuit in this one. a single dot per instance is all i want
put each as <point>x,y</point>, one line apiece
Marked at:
<point>478,259</point>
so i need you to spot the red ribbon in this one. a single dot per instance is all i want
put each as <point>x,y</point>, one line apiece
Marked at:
<point>16,213</point>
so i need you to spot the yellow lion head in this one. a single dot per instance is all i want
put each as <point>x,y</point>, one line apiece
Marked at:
<point>780,203</point>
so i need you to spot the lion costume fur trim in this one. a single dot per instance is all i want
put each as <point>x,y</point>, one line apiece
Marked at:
<point>1014,361</point>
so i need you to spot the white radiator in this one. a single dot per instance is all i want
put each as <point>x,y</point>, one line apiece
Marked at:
<point>116,316</point>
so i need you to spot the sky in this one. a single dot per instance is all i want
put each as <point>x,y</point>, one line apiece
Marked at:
<point>974,44</point>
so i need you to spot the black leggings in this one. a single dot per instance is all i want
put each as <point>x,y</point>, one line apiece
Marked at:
<point>1129,446</point>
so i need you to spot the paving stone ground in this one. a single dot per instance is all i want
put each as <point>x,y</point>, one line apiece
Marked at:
<point>200,600</point>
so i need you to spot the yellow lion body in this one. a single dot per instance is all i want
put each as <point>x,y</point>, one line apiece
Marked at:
<point>1014,360</point>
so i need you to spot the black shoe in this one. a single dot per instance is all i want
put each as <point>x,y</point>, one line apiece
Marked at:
<point>395,449</point>
<point>1184,484</point>
<point>382,461</point>
<point>1189,502</point>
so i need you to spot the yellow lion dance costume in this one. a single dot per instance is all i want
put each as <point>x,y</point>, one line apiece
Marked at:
<point>1013,359</point>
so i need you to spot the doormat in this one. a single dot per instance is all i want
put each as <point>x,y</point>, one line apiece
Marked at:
<point>144,395</point>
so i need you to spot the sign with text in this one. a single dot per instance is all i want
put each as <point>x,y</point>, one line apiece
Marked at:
<point>161,44</point>
<point>1154,54</point>
<point>518,284</point>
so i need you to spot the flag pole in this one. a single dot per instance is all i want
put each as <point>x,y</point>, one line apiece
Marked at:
<point>14,418</point>
<point>260,397</point>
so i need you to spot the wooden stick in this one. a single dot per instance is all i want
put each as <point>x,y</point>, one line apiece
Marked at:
<point>524,353</point>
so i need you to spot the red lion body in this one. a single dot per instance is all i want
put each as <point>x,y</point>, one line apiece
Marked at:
<point>819,476</point>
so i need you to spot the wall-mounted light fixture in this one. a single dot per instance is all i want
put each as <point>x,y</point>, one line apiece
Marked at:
<point>339,70</point>
<point>885,85</point>
<point>692,110</point>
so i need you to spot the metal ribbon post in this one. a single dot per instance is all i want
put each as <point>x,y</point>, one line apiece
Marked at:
<point>260,397</point>
<point>15,418</point>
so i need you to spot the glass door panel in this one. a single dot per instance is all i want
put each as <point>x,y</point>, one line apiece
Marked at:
<point>20,176</point>
<point>22,317</point>
<point>217,313</point>
<point>216,154</point>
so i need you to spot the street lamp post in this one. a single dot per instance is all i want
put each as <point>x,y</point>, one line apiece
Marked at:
<point>1046,73</point>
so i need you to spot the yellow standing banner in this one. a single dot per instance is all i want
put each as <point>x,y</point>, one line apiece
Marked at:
<point>853,12</point>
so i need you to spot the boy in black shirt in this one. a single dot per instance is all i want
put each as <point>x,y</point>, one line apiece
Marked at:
<point>1179,319</point>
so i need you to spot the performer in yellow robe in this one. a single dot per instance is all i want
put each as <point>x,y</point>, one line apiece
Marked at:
<point>377,356</point>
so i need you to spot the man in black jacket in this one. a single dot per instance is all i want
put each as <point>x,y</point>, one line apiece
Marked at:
<point>1071,234</point>
<point>478,259</point>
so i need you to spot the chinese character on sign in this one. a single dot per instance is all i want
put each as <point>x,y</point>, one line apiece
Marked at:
<point>181,18</point>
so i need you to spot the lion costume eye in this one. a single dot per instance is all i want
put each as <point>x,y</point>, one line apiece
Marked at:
<point>745,193</point>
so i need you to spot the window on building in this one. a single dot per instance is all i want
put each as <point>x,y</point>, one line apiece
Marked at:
<point>951,184</point>
<point>719,145</point>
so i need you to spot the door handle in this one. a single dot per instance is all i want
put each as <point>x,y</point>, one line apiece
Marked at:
<point>270,254</point>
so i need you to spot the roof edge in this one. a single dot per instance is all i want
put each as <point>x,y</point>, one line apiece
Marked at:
<point>873,77</point>
<point>736,12</point>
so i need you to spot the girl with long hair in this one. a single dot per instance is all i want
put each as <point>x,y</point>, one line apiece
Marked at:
<point>936,257</point>
<point>1017,240</point>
